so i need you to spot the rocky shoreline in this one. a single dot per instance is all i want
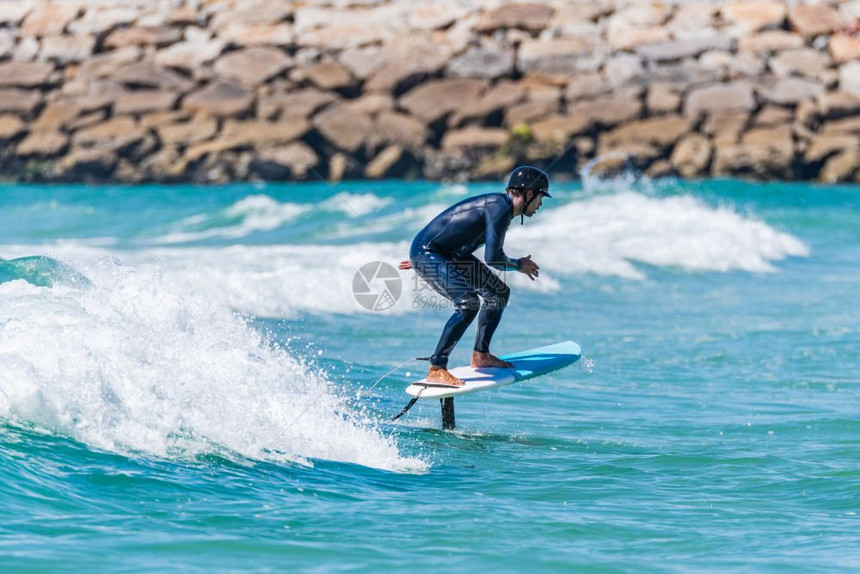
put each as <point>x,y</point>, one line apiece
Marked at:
<point>223,90</point>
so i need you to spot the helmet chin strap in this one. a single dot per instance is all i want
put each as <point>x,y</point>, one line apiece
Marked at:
<point>526,207</point>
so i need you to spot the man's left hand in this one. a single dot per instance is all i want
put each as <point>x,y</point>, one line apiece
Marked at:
<point>529,267</point>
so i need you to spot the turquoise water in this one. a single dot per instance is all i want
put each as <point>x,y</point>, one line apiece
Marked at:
<point>205,400</point>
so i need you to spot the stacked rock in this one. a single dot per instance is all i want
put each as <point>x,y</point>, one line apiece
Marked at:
<point>218,90</point>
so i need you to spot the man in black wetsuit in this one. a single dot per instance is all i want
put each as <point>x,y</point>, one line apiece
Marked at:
<point>441,254</point>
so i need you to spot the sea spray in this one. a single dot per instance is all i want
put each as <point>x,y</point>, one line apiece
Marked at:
<point>137,365</point>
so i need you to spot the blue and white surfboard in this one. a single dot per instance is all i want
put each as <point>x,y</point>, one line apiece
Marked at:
<point>527,365</point>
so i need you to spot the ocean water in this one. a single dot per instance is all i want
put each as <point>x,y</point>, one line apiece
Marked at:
<point>188,383</point>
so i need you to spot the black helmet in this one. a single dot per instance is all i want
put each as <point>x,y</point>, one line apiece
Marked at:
<point>528,177</point>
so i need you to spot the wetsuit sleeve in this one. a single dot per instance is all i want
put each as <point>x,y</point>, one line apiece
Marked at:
<point>497,226</point>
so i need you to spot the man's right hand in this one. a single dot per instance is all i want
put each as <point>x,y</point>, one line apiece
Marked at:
<point>529,267</point>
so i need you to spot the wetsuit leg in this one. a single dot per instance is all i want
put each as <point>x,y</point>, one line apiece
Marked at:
<point>495,294</point>
<point>455,281</point>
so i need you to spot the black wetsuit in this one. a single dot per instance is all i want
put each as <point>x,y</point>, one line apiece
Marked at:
<point>441,254</point>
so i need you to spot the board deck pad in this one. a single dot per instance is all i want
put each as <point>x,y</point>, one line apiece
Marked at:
<point>527,365</point>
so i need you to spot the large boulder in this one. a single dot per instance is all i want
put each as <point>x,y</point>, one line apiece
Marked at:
<point>560,127</point>
<point>662,131</point>
<point>220,99</point>
<point>826,145</point>
<point>380,165</point>
<point>751,16</point>
<point>13,11</point>
<point>106,64</point>
<point>11,126</point>
<point>345,129</point>
<point>19,101</point>
<point>332,30</point>
<point>849,125</point>
<point>150,75</point>
<point>181,134</point>
<point>562,57</point>
<point>500,96</point>
<point>114,134</point>
<point>253,66</point>
<point>684,75</point>
<point>691,155</point>
<point>844,48</point>
<point>42,144</point>
<point>163,118</point>
<point>158,36</point>
<point>849,78</point>
<point>838,104</point>
<point>189,55</point>
<point>434,100</point>
<point>812,20</point>
<point>692,20</point>
<point>294,160</point>
<point>773,116</point>
<point>620,39</point>
<point>370,104</point>
<point>329,75</point>
<point>300,103</point>
<point>26,50</point>
<point>99,19</point>
<point>736,97</point>
<point>474,138</point>
<point>624,69</point>
<point>49,19</point>
<point>257,34</point>
<point>662,98</point>
<point>365,61</point>
<point>253,12</point>
<point>436,15</point>
<point>791,91</point>
<point>763,152</point>
<point>841,167</point>
<point>87,163</point>
<point>526,16</point>
<point>56,115</point>
<point>261,133</point>
<point>529,112</point>
<point>638,24</point>
<point>585,86</point>
<point>7,42</point>
<point>678,50</point>
<point>403,60</point>
<point>396,128</point>
<point>734,66</point>
<point>144,101</point>
<point>621,107</point>
<point>65,49</point>
<point>485,61</point>
<point>726,128</point>
<point>803,62</point>
<point>770,41</point>
<point>25,74</point>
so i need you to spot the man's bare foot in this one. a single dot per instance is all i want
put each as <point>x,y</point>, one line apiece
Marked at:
<point>442,376</point>
<point>480,360</point>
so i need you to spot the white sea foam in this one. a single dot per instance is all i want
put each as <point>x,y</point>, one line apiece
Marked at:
<point>135,365</point>
<point>355,204</point>
<point>602,234</point>
<point>248,215</point>
<point>609,234</point>
<point>256,213</point>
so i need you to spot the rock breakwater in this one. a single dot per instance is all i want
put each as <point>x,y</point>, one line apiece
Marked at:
<point>219,90</point>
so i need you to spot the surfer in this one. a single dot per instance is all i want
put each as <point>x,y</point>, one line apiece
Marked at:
<point>441,254</point>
